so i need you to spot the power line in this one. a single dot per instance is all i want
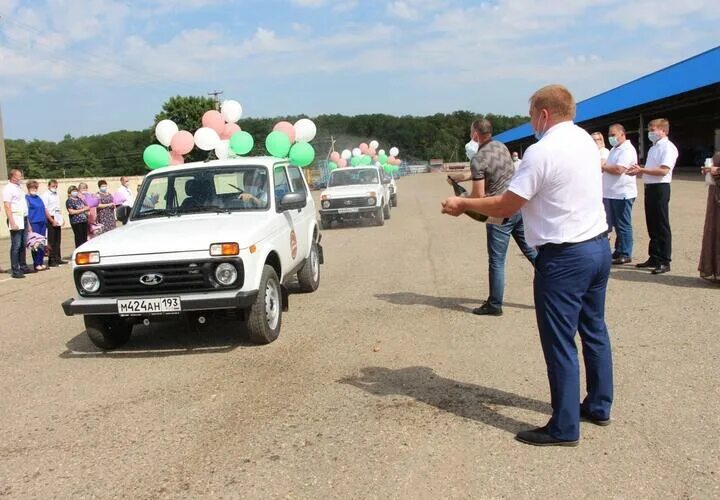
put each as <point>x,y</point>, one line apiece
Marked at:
<point>216,95</point>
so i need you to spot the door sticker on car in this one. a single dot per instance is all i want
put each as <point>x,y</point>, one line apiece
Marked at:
<point>293,245</point>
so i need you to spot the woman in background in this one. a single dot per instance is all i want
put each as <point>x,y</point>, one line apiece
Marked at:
<point>78,211</point>
<point>709,265</point>
<point>105,208</point>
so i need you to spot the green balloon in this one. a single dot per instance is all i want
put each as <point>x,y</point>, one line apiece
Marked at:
<point>302,154</point>
<point>278,144</point>
<point>156,156</point>
<point>387,168</point>
<point>332,166</point>
<point>395,168</point>
<point>365,160</point>
<point>355,161</point>
<point>241,142</point>
<point>383,158</point>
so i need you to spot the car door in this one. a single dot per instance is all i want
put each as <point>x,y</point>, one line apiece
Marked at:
<point>304,216</point>
<point>287,239</point>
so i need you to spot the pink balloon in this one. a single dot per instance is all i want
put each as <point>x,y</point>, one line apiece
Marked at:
<point>287,128</point>
<point>182,142</point>
<point>391,159</point>
<point>372,152</point>
<point>176,159</point>
<point>229,130</point>
<point>364,148</point>
<point>342,163</point>
<point>335,156</point>
<point>374,157</point>
<point>214,120</point>
<point>119,197</point>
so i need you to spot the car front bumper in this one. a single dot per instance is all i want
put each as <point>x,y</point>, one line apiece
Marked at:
<point>231,299</point>
<point>344,212</point>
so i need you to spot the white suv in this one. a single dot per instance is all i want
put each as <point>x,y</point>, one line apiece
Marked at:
<point>205,239</point>
<point>355,193</point>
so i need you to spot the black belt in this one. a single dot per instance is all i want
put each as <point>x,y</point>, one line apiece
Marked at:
<point>565,245</point>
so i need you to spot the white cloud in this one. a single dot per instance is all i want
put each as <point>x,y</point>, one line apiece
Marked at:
<point>308,3</point>
<point>345,6</point>
<point>402,11</point>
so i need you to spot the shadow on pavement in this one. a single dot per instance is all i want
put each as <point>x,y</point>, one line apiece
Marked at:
<point>470,401</point>
<point>644,276</point>
<point>450,303</point>
<point>163,340</point>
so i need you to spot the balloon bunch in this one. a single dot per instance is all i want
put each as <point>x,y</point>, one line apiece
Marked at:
<point>219,132</point>
<point>293,141</point>
<point>366,154</point>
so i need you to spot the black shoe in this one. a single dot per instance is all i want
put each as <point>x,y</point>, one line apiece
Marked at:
<point>619,261</point>
<point>661,269</point>
<point>541,437</point>
<point>587,417</point>
<point>488,310</point>
<point>647,263</point>
<point>18,275</point>
<point>62,262</point>
<point>54,264</point>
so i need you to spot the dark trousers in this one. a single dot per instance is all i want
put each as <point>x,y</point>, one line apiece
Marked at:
<point>54,235</point>
<point>498,240</point>
<point>80,230</point>
<point>569,287</point>
<point>18,262</point>
<point>39,227</point>
<point>619,217</point>
<point>657,218</point>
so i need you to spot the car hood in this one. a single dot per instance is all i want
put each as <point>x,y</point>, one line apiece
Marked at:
<point>354,190</point>
<point>186,233</point>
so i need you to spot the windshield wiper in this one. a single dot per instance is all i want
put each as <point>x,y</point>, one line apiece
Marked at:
<point>210,208</point>
<point>157,211</point>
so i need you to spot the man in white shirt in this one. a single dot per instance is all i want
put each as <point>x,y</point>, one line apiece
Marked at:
<point>657,174</point>
<point>51,199</point>
<point>559,190</point>
<point>619,192</point>
<point>16,211</point>
<point>123,211</point>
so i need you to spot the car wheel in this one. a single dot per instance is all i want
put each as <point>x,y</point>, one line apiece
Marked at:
<point>394,200</point>
<point>265,315</point>
<point>379,219</point>
<point>108,332</point>
<point>309,274</point>
<point>386,210</point>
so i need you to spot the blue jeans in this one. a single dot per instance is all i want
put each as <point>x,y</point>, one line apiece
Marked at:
<point>619,217</point>
<point>38,256</point>
<point>569,287</point>
<point>498,240</point>
<point>18,264</point>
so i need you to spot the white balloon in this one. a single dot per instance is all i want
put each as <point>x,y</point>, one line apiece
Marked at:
<point>231,110</point>
<point>394,151</point>
<point>346,154</point>
<point>381,152</point>
<point>222,150</point>
<point>356,152</point>
<point>164,131</point>
<point>374,144</point>
<point>206,138</point>
<point>305,130</point>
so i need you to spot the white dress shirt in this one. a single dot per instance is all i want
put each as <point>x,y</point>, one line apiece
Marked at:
<point>52,204</point>
<point>621,187</point>
<point>13,194</point>
<point>560,178</point>
<point>129,195</point>
<point>665,153</point>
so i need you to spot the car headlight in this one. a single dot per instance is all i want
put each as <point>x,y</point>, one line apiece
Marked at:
<point>326,204</point>
<point>371,201</point>
<point>84,258</point>
<point>226,274</point>
<point>89,282</point>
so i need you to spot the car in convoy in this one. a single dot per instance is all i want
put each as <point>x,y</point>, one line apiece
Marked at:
<point>356,193</point>
<point>211,239</point>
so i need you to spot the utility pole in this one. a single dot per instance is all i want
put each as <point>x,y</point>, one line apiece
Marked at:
<point>3,159</point>
<point>216,95</point>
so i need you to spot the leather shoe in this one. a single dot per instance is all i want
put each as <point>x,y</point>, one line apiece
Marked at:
<point>661,269</point>
<point>541,437</point>
<point>647,263</point>
<point>621,260</point>
<point>488,310</point>
<point>18,275</point>
<point>587,417</point>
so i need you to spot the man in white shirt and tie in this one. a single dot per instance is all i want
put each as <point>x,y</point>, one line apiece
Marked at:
<point>51,199</point>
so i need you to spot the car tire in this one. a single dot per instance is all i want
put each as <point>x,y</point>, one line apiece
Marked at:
<point>386,210</point>
<point>309,274</point>
<point>108,332</point>
<point>394,200</point>
<point>379,217</point>
<point>265,315</point>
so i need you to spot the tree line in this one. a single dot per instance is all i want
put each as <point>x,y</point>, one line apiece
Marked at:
<point>419,138</point>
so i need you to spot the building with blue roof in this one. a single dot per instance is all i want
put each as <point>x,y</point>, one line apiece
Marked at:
<point>686,93</point>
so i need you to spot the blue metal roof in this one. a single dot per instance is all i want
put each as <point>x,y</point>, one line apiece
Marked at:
<point>690,74</point>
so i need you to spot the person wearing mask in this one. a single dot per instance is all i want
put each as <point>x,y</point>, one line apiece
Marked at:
<point>16,211</point>
<point>38,216</point>
<point>515,160</point>
<point>128,196</point>
<point>51,199</point>
<point>558,187</point>
<point>709,265</point>
<point>84,194</point>
<point>105,208</point>
<point>619,192</point>
<point>78,211</point>
<point>600,142</point>
<point>657,174</point>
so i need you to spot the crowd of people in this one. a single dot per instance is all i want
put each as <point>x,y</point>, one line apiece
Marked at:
<point>35,220</point>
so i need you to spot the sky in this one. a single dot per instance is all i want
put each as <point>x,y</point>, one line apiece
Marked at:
<point>94,66</point>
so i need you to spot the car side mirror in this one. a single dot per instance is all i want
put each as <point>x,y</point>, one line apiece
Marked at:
<point>386,180</point>
<point>292,201</point>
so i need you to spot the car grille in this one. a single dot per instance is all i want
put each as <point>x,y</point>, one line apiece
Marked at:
<point>177,277</point>
<point>349,203</point>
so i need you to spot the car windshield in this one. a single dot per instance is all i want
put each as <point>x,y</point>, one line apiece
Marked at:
<point>217,189</point>
<point>353,176</point>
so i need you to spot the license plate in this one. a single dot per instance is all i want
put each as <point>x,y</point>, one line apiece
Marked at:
<point>347,210</point>
<point>161,305</point>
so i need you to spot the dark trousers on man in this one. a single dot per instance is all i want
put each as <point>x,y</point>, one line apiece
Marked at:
<point>657,218</point>
<point>569,287</point>
<point>18,255</point>
<point>54,236</point>
<point>498,240</point>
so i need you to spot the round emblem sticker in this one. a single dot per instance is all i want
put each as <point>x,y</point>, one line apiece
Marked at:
<point>293,244</point>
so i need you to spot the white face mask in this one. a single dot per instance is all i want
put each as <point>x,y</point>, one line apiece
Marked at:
<point>74,194</point>
<point>653,136</point>
<point>53,190</point>
<point>613,141</point>
<point>471,149</point>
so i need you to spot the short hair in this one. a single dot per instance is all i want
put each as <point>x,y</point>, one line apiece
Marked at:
<point>482,126</point>
<point>618,127</point>
<point>661,123</point>
<point>557,99</point>
<point>82,185</point>
<point>52,181</point>
<point>102,182</point>
<point>72,188</point>
<point>13,172</point>
<point>598,135</point>
<point>32,184</point>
